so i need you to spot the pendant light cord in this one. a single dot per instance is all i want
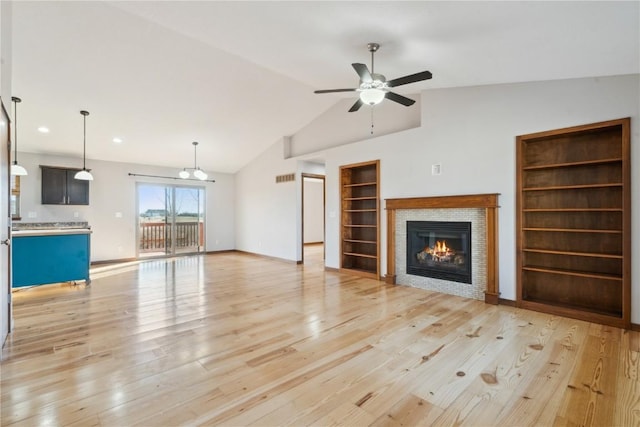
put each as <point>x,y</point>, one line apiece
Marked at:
<point>15,100</point>
<point>84,144</point>
<point>84,140</point>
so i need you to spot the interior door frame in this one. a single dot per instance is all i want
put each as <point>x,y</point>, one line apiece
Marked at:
<point>6,311</point>
<point>304,175</point>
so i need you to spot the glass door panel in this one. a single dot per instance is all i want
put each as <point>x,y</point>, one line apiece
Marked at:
<point>189,219</point>
<point>170,220</point>
<point>153,215</point>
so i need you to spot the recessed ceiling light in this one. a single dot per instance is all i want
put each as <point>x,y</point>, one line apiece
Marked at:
<point>117,140</point>
<point>43,129</point>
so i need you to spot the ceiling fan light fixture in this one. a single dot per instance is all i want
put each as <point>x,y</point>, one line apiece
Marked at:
<point>372,96</point>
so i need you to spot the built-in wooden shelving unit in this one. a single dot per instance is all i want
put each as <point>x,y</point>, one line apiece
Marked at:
<point>360,219</point>
<point>574,222</point>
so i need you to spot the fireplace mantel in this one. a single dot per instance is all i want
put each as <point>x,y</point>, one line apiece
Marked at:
<point>489,202</point>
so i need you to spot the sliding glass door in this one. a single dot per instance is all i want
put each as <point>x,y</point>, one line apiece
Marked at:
<point>170,219</point>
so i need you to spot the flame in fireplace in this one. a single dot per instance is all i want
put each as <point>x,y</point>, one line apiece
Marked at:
<point>440,251</point>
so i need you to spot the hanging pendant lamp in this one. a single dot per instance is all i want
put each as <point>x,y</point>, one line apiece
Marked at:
<point>84,174</point>
<point>16,169</point>
<point>197,172</point>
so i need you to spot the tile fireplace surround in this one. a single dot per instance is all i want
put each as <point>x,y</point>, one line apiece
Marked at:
<point>480,209</point>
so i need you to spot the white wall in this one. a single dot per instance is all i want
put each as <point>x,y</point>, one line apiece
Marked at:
<point>6,12</point>
<point>267,219</point>
<point>113,191</point>
<point>471,133</point>
<point>313,210</point>
<point>337,126</point>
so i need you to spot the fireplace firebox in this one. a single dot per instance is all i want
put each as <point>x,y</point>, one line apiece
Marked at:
<point>439,249</point>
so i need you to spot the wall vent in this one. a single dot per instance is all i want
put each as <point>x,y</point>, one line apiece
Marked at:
<point>285,178</point>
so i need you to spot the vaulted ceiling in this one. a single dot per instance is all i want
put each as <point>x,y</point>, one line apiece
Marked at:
<point>238,76</point>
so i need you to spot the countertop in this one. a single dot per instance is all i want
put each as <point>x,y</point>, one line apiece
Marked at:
<point>49,232</point>
<point>49,228</point>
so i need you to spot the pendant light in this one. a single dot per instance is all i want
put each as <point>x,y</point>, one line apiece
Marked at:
<point>84,174</point>
<point>197,172</point>
<point>16,169</point>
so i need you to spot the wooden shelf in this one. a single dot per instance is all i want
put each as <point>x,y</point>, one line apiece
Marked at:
<point>572,230</point>
<point>371,242</point>
<point>360,218</point>
<point>573,273</point>
<point>573,187</point>
<point>564,165</point>
<point>584,254</point>
<point>360,255</point>
<point>360,184</point>
<point>574,210</point>
<point>574,224</point>
<point>359,198</point>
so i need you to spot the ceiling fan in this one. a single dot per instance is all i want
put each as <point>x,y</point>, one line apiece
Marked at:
<point>374,87</point>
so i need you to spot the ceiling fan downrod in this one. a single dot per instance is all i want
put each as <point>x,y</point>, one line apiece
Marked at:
<point>373,48</point>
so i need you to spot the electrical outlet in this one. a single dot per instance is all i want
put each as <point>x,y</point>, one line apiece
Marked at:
<point>32,215</point>
<point>118,214</point>
<point>76,214</point>
<point>436,169</point>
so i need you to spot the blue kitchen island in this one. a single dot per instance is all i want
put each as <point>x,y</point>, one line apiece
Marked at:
<point>41,256</point>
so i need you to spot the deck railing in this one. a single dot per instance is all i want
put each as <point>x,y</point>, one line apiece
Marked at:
<point>156,236</point>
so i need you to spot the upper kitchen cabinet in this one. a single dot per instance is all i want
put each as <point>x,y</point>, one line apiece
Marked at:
<point>59,187</point>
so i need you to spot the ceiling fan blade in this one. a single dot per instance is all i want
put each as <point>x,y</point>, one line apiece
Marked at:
<point>356,106</point>
<point>334,90</point>
<point>399,99</point>
<point>412,78</point>
<point>363,72</point>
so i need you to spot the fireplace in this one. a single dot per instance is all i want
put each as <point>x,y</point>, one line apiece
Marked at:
<point>439,249</point>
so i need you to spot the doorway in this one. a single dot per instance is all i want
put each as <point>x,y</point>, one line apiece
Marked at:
<point>5,229</point>
<point>313,218</point>
<point>171,220</point>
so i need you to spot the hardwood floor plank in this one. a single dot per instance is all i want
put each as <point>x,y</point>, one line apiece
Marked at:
<point>627,413</point>
<point>410,411</point>
<point>591,396</point>
<point>236,339</point>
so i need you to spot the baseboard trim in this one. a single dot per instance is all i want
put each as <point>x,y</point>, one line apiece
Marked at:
<point>121,260</point>
<point>332,269</point>
<point>635,327</point>
<point>506,302</point>
<point>113,261</point>
<point>290,261</point>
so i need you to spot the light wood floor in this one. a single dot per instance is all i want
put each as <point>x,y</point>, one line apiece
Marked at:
<point>233,339</point>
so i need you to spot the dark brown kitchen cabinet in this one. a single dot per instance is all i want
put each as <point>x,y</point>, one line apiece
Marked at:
<point>59,187</point>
